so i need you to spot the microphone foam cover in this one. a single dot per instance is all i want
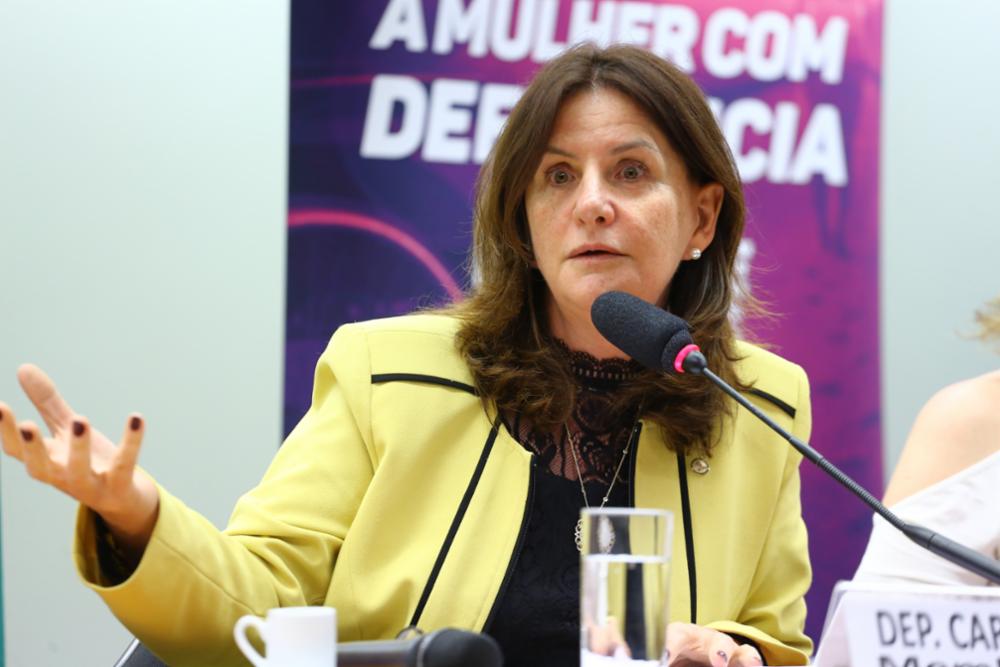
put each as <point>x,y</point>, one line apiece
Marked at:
<point>648,334</point>
<point>461,648</point>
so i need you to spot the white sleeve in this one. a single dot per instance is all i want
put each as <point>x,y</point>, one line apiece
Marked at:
<point>964,507</point>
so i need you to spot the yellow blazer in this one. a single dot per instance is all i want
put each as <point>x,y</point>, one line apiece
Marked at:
<point>398,498</point>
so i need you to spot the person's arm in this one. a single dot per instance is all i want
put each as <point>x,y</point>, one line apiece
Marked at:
<point>774,612</point>
<point>192,581</point>
<point>935,485</point>
<point>773,615</point>
<point>771,623</point>
<point>959,426</point>
<point>282,541</point>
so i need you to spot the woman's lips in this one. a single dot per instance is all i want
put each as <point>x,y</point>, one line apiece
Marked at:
<point>594,253</point>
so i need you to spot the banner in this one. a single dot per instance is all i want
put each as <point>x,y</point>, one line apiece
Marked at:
<point>395,104</point>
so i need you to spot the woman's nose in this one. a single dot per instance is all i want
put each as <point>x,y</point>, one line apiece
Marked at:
<point>593,202</point>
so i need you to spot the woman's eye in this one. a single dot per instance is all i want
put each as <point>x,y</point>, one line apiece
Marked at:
<point>632,172</point>
<point>559,176</point>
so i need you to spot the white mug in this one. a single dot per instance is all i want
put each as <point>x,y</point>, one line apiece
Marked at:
<point>293,637</point>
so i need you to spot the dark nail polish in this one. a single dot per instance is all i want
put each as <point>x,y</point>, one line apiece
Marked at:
<point>27,435</point>
<point>78,428</point>
<point>135,423</point>
<point>1,415</point>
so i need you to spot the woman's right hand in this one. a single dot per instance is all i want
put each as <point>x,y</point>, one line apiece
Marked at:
<point>83,463</point>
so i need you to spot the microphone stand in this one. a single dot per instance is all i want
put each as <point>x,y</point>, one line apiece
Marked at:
<point>694,362</point>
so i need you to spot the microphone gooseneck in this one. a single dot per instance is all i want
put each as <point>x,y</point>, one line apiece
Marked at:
<point>636,327</point>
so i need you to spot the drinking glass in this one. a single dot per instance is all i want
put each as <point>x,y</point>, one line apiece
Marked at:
<point>624,595</point>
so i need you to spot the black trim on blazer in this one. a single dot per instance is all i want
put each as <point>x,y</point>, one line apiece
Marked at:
<point>518,546</point>
<point>688,534</point>
<point>784,407</point>
<point>685,511</point>
<point>635,623</point>
<point>455,523</point>
<point>426,379</point>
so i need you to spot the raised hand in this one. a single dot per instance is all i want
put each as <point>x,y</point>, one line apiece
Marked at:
<point>82,462</point>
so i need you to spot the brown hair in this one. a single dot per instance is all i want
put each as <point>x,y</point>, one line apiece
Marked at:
<point>502,335</point>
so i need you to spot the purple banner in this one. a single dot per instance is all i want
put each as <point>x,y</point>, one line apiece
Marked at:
<point>395,104</point>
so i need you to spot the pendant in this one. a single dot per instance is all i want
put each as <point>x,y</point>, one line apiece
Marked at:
<point>605,536</point>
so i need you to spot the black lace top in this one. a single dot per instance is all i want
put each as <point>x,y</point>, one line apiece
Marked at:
<point>538,619</point>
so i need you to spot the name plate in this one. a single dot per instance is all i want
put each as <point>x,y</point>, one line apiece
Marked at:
<point>896,625</point>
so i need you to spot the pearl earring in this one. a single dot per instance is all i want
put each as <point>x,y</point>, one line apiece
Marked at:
<point>696,254</point>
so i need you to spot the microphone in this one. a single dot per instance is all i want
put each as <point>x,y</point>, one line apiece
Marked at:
<point>441,648</point>
<point>662,341</point>
<point>650,335</point>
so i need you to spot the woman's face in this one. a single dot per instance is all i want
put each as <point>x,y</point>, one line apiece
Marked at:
<point>611,207</point>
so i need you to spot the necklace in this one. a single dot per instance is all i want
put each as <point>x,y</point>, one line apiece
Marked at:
<point>608,542</point>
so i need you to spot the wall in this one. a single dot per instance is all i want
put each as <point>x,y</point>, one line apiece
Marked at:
<point>142,200</point>
<point>940,231</point>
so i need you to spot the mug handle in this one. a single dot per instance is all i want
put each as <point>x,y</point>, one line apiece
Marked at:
<point>240,635</point>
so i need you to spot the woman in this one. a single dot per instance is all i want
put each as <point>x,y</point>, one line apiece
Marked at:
<point>947,479</point>
<point>438,476</point>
